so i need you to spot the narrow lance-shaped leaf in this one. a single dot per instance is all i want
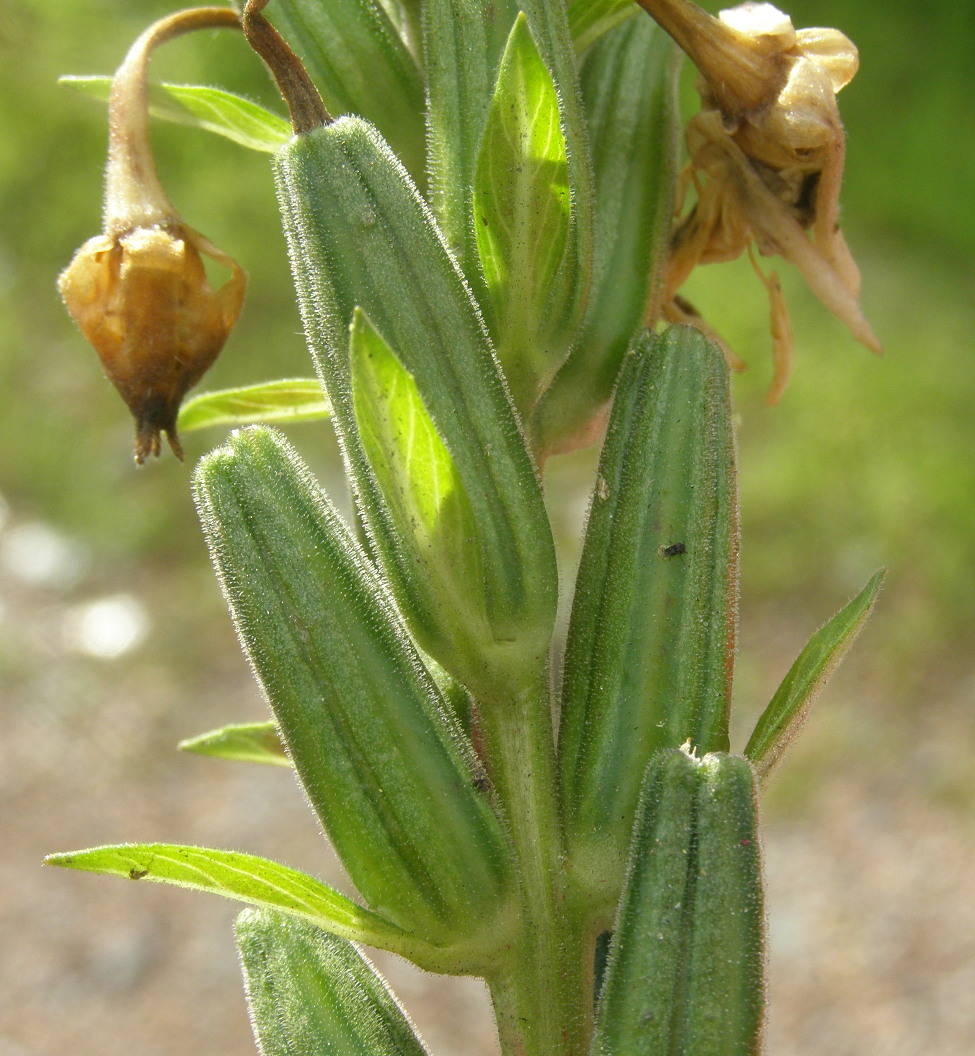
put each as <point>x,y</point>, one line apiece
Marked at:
<point>361,66</point>
<point>781,720</point>
<point>629,86</point>
<point>521,211</point>
<point>686,966</point>
<point>314,994</point>
<point>652,634</point>
<point>212,109</point>
<point>270,402</point>
<point>463,42</point>
<point>246,742</point>
<point>382,761</point>
<point>591,19</point>
<point>424,492</point>
<point>360,235</point>
<point>245,878</point>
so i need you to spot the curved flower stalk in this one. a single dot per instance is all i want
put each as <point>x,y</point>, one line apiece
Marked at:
<point>139,290</point>
<point>766,160</point>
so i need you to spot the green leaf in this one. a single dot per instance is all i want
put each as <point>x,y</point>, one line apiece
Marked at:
<point>651,640</point>
<point>629,88</point>
<point>686,967</point>
<point>314,994</point>
<point>227,115</point>
<point>361,236</point>
<point>521,208</point>
<point>550,28</point>
<point>418,477</point>
<point>382,760</point>
<point>270,402</point>
<point>591,19</point>
<point>249,742</point>
<point>781,720</point>
<point>463,41</point>
<point>244,877</point>
<point>361,66</point>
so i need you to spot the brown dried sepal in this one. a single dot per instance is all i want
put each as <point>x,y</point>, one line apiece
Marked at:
<point>143,300</point>
<point>766,160</point>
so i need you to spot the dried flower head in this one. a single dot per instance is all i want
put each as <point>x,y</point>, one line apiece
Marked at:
<point>139,291</point>
<point>766,159</point>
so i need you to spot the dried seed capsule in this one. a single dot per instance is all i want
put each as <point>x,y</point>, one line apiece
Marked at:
<point>143,301</point>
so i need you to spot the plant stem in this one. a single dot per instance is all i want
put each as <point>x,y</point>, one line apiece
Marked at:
<point>134,197</point>
<point>543,993</point>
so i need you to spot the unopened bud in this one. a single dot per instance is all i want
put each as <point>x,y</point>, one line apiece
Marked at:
<point>139,291</point>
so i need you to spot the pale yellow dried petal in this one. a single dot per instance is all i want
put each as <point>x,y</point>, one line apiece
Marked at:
<point>761,21</point>
<point>831,50</point>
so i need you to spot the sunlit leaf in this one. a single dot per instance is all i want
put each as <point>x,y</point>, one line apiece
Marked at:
<point>269,403</point>
<point>250,742</point>
<point>244,877</point>
<point>213,109</point>
<point>418,477</point>
<point>521,210</point>
<point>781,720</point>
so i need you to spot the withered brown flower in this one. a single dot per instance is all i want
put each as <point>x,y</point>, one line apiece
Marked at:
<point>143,301</point>
<point>766,160</point>
<point>139,291</point>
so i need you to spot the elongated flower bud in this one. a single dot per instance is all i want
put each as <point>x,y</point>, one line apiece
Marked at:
<point>139,291</point>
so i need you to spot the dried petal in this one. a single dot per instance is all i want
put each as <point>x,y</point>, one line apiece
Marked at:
<point>766,157</point>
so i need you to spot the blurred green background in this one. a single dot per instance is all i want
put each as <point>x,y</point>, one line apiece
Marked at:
<point>114,642</point>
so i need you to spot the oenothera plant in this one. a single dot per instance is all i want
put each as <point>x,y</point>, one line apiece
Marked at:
<point>482,249</point>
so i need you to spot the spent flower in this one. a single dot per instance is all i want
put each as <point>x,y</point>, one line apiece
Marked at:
<point>139,291</point>
<point>766,159</point>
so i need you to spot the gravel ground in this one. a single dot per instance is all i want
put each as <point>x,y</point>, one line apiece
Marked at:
<point>869,848</point>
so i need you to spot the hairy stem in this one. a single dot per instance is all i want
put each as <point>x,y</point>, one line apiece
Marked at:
<point>543,993</point>
<point>133,194</point>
